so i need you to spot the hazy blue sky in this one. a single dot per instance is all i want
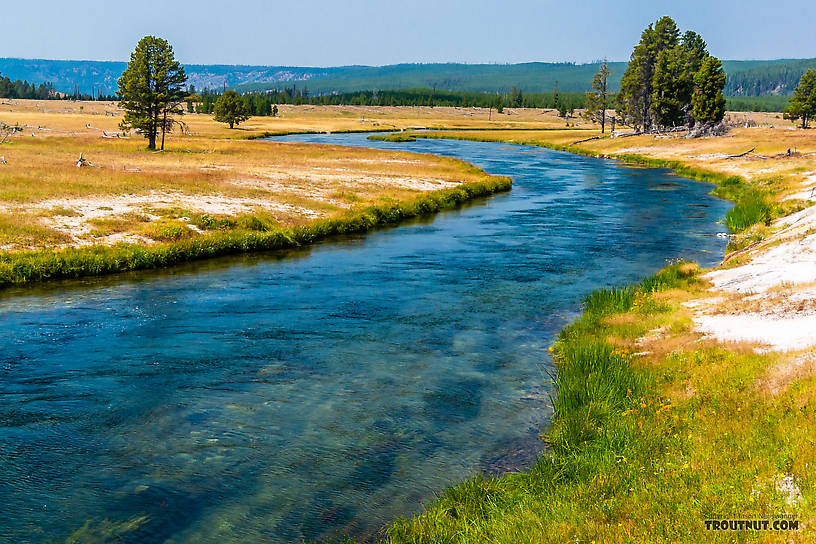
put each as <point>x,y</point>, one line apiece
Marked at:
<point>338,32</point>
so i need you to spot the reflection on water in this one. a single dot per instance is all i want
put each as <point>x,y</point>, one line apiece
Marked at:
<point>268,399</point>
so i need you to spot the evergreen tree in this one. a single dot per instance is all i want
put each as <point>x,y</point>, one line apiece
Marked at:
<point>637,84</point>
<point>660,88</point>
<point>708,101</point>
<point>230,108</point>
<point>670,88</point>
<point>597,100</point>
<point>151,89</point>
<point>802,105</point>
<point>556,100</point>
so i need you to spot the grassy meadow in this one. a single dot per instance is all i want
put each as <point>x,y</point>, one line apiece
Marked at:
<point>212,191</point>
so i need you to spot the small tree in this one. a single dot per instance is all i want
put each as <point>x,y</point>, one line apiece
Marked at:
<point>275,110</point>
<point>597,100</point>
<point>151,89</point>
<point>230,108</point>
<point>802,105</point>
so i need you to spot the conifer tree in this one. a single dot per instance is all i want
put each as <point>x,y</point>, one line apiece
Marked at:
<point>230,108</point>
<point>708,101</point>
<point>151,89</point>
<point>597,100</point>
<point>802,105</point>
<point>660,87</point>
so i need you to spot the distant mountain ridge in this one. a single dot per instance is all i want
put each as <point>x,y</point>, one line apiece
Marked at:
<point>745,78</point>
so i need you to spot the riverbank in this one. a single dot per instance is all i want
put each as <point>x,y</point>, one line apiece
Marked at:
<point>687,398</point>
<point>79,198</point>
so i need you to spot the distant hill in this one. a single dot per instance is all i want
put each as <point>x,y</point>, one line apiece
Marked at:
<point>745,78</point>
<point>765,78</point>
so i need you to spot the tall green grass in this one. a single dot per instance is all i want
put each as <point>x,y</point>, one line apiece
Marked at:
<point>596,453</point>
<point>28,266</point>
<point>752,208</point>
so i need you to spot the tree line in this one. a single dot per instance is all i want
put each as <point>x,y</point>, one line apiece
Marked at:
<point>261,102</point>
<point>22,89</point>
<point>670,81</point>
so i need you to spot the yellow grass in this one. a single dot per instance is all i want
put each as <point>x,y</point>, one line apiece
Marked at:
<point>206,170</point>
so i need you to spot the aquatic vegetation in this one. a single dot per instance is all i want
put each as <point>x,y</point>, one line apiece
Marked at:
<point>399,138</point>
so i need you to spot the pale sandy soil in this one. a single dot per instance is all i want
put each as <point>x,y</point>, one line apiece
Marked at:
<point>771,299</point>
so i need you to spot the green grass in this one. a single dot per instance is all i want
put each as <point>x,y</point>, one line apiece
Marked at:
<point>752,208</point>
<point>393,137</point>
<point>257,234</point>
<point>629,459</point>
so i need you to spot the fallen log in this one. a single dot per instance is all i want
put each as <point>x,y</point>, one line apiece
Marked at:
<point>586,140</point>
<point>742,154</point>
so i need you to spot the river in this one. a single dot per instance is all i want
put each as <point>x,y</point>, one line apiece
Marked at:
<point>323,391</point>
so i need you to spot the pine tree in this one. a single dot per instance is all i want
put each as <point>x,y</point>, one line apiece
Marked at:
<point>637,84</point>
<point>708,102</point>
<point>230,108</point>
<point>597,100</point>
<point>556,99</point>
<point>670,89</point>
<point>151,89</point>
<point>802,105</point>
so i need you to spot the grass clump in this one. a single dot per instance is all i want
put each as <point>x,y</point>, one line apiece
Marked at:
<point>104,226</point>
<point>752,208</point>
<point>399,138</point>
<point>167,230</point>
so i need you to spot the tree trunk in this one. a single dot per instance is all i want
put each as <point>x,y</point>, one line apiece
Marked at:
<point>164,126</point>
<point>603,120</point>
<point>232,124</point>
<point>152,131</point>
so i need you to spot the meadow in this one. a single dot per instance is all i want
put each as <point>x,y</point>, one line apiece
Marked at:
<point>212,191</point>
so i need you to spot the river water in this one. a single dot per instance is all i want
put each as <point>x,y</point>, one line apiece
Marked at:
<point>321,392</point>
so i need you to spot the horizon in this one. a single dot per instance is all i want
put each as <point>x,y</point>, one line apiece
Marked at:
<point>430,63</point>
<point>416,32</point>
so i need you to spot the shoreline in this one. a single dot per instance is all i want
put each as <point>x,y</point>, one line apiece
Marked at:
<point>638,393</point>
<point>38,265</point>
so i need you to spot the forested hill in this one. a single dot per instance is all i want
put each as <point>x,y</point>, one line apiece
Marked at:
<point>745,78</point>
<point>763,78</point>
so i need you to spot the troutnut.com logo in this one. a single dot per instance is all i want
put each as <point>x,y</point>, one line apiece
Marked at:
<point>780,522</point>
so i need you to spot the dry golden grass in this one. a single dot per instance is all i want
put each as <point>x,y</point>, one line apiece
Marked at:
<point>207,170</point>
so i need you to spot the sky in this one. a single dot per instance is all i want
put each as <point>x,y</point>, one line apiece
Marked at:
<point>378,32</point>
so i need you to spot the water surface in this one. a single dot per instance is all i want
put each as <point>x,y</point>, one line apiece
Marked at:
<point>324,391</point>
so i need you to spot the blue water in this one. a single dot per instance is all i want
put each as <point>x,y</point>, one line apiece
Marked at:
<point>324,391</point>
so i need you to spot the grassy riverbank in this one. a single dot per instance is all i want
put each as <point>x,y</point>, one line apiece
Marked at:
<point>246,234</point>
<point>653,433</point>
<point>657,427</point>
<point>212,192</point>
